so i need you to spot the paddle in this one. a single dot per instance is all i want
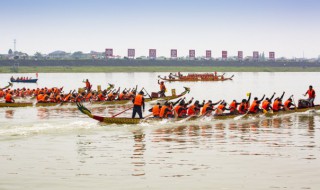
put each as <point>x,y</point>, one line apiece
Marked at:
<point>146,117</point>
<point>122,112</point>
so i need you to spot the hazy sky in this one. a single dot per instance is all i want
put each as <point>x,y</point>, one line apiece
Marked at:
<point>288,27</point>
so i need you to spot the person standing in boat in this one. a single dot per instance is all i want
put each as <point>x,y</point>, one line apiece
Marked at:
<point>88,86</point>
<point>311,95</point>
<point>162,89</point>
<point>138,102</point>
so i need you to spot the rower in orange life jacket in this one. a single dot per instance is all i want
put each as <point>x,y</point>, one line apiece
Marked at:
<point>233,107</point>
<point>195,108</point>
<point>242,109</point>
<point>122,95</point>
<point>155,110</point>
<point>162,89</point>
<point>311,95</point>
<point>102,96</point>
<point>287,104</point>
<point>9,98</point>
<point>181,109</point>
<point>277,104</point>
<point>171,106</point>
<point>208,107</point>
<point>138,102</point>
<point>254,108</point>
<point>164,110</point>
<point>266,104</point>
<point>221,108</point>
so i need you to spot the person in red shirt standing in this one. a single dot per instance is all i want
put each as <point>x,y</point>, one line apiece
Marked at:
<point>311,95</point>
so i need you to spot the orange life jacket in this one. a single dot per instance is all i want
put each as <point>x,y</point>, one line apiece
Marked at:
<point>204,108</point>
<point>162,110</point>
<point>221,107</point>
<point>253,107</point>
<point>101,97</point>
<point>176,109</point>
<point>265,104</point>
<point>286,104</point>
<point>233,106</point>
<point>191,110</point>
<point>43,98</point>
<point>8,97</point>
<point>276,106</point>
<point>311,93</point>
<point>39,97</point>
<point>121,96</point>
<point>242,108</point>
<point>138,100</point>
<point>156,110</point>
<point>162,87</point>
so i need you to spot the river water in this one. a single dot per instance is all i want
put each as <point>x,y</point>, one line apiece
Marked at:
<point>59,148</point>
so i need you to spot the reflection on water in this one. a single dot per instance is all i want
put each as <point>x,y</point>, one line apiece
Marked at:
<point>9,114</point>
<point>139,148</point>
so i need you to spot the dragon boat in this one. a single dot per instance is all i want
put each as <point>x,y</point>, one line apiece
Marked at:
<point>195,79</point>
<point>123,120</point>
<point>24,81</point>
<point>48,104</point>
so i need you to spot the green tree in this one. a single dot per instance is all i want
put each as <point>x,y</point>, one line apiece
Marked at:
<point>10,52</point>
<point>77,54</point>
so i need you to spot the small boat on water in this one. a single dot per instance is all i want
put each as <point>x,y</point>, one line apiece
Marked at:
<point>196,77</point>
<point>24,80</point>
<point>48,104</point>
<point>122,120</point>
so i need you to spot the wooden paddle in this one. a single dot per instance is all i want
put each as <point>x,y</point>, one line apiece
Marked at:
<point>122,112</point>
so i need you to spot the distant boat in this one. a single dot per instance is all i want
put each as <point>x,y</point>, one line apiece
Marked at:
<point>24,81</point>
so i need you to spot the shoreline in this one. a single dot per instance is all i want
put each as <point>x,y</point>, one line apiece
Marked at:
<point>109,69</point>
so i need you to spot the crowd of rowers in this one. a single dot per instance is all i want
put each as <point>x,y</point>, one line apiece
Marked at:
<point>182,108</point>
<point>213,76</point>
<point>56,95</point>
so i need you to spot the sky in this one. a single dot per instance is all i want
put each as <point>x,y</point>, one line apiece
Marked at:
<point>290,28</point>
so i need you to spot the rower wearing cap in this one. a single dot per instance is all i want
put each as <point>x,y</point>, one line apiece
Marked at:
<point>138,102</point>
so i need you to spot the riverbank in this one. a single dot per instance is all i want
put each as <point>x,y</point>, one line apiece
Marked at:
<point>98,69</point>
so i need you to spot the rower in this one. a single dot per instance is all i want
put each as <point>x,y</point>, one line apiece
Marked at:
<point>311,95</point>
<point>102,96</point>
<point>195,108</point>
<point>9,98</point>
<point>243,107</point>
<point>156,110</point>
<point>221,108</point>
<point>162,89</point>
<point>266,104</point>
<point>122,96</point>
<point>138,102</point>
<point>181,109</point>
<point>288,104</point>
<point>254,108</point>
<point>165,110</point>
<point>277,104</point>
<point>208,107</point>
<point>233,107</point>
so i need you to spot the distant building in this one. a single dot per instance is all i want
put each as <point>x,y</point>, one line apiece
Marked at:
<point>58,55</point>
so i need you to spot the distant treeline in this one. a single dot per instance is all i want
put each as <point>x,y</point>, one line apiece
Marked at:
<point>165,63</point>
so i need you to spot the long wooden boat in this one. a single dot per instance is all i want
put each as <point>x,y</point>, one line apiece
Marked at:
<point>24,81</point>
<point>195,79</point>
<point>30,104</point>
<point>122,120</point>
